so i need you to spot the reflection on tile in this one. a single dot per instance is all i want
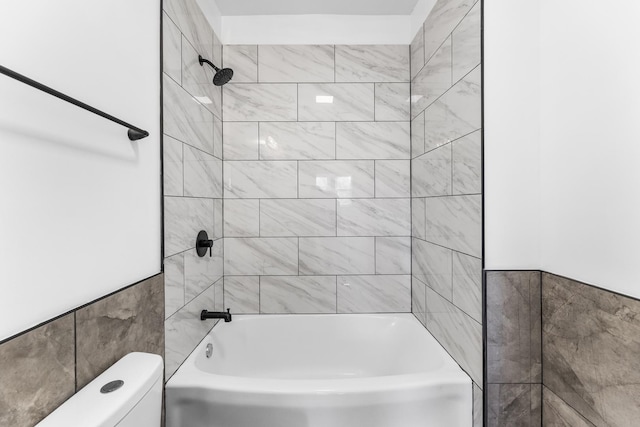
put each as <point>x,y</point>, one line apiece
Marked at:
<point>418,218</point>
<point>202,174</point>
<point>173,284</point>
<point>240,141</point>
<point>242,218</point>
<point>243,180</point>
<point>392,178</point>
<point>337,179</point>
<point>336,102</point>
<point>372,63</point>
<point>202,272</point>
<point>458,333</point>
<point>393,255</point>
<point>242,294</point>
<point>186,119</point>
<point>417,136</point>
<point>444,17</point>
<point>298,294</point>
<point>183,219</point>
<point>466,44</point>
<point>298,217</point>
<point>591,339</point>
<point>433,80</point>
<point>243,60</point>
<point>37,372</point>
<point>260,102</point>
<point>467,164</point>
<point>513,327</point>
<point>513,405</point>
<point>456,222</point>
<point>478,407</point>
<point>171,49</point>
<point>217,219</point>
<point>393,101</point>
<point>373,140</point>
<point>295,63</point>
<point>189,18</point>
<point>418,300</point>
<point>417,53</point>
<point>196,79</point>
<point>432,266</point>
<point>374,294</point>
<point>431,173</point>
<point>337,255</point>
<point>557,413</point>
<point>374,217</point>
<point>467,284</point>
<point>260,256</point>
<point>457,113</point>
<point>173,178</point>
<point>297,141</point>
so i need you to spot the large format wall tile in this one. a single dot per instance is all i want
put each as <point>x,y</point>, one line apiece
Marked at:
<point>393,178</point>
<point>260,256</point>
<point>337,255</point>
<point>336,102</point>
<point>433,80</point>
<point>374,294</point>
<point>374,217</point>
<point>392,101</point>
<point>556,412</point>
<point>591,339</point>
<point>183,219</point>
<point>467,284</point>
<point>245,180</point>
<point>514,405</point>
<point>431,264</point>
<point>444,17</point>
<point>192,22</point>
<point>196,79</point>
<point>367,63</point>
<point>240,141</point>
<point>455,222</point>
<point>432,173</point>
<point>173,284</point>
<point>202,272</point>
<point>373,140</point>
<point>172,50</point>
<point>297,141</point>
<point>393,255</point>
<point>298,294</point>
<point>296,63</point>
<point>467,164</point>
<point>202,174</point>
<point>467,43</point>
<point>172,164</point>
<point>37,372</point>
<point>417,53</point>
<point>242,218</point>
<point>298,217</point>
<point>336,179</point>
<point>243,60</point>
<point>242,294</point>
<point>419,300</point>
<point>260,102</point>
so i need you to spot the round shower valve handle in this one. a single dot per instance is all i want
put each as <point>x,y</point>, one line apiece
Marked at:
<point>202,243</point>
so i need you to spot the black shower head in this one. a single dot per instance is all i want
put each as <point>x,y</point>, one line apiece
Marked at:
<point>222,76</point>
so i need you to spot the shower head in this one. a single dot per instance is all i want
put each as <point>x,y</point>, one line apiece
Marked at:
<point>222,76</point>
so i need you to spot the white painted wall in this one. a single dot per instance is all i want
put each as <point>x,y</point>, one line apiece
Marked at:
<point>80,206</point>
<point>586,222</point>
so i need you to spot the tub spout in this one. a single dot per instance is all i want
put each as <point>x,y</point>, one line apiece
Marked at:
<point>205,314</point>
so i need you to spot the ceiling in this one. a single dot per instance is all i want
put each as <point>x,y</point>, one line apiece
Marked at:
<point>315,7</point>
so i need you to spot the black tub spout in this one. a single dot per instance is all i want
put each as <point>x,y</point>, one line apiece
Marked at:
<point>205,314</point>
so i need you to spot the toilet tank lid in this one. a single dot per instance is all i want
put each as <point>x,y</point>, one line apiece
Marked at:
<point>90,407</point>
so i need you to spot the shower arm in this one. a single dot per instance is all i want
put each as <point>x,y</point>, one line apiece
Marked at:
<point>203,61</point>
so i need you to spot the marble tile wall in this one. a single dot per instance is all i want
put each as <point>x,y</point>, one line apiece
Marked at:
<point>43,367</point>
<point>193,183</point>
<point>317,208</point>
<point>446,183</point>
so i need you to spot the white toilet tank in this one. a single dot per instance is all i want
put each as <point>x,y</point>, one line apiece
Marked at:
<point>128,394</point>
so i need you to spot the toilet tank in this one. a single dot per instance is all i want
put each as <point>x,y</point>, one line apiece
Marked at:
<point>128,394</point>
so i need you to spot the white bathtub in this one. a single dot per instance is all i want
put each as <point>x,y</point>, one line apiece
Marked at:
<point>342,370</point>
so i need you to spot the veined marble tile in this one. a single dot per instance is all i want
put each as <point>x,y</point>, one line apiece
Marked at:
<point>433,80</point>
<point>467,164</point>
<point>298,294</point>
<point>171,49</point>
<point>183,219</point>
<point>514,405</point>
<point>295,63</point>
<point>218,290</point>
<point>431,264</point>
<point>217,56</point>
<point>202,272</point>
<point>374,217</point>
<point>457,113</point>
<point>417,136</point>
<point>242,294</point>
<point>202,174</point>
<point>372,63</point>
<point>197,79</point>
<point>373,140</point>
<point>431,173</point>
<point>478,406</point>
<point>374,294</point>
<point>257,179</point>
<point>558,413</point>
<point>337,255</point>
<point>456,222</point>
<point>217,219</point>
<point>466,41</point>
<point>173,284</point>
<point>393,255</point>
<point>336,179</point>
<point>194,25</point>
<point>260,256</point>
<point>393,178</point>
<point>418,218</point>
<point>242,218</point>
<point>240,141</point>
<point>336,102</point>
<point>467,284</point>
<point>297,217</point>
<point>444,17</point>
<point>249,102</point>
<point>297,140</point>
<point>243,60</point>
<point>173,177</point>
<point>185,118</point>
<point>458,333</point>
<point>417,53</point>
<point>393,101</point>
<point>419,300</point>
<point>217,137</point>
